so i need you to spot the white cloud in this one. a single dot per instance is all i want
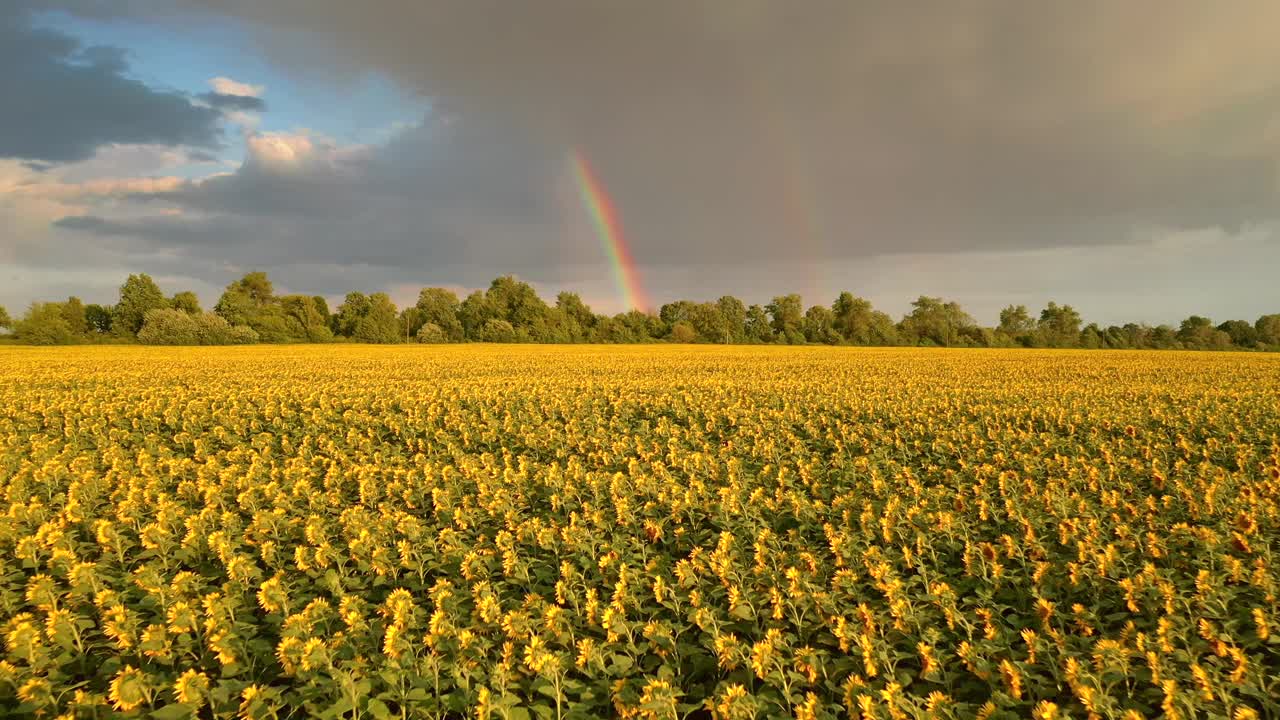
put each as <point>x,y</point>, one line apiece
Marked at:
<point>227,86</point>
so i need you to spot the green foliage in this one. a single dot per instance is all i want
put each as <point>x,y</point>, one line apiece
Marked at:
<point>354,306</point>
<point>45,324</point>
<point>786,312</point>
<point>756,327</point>
<point>439,307</point>
<point>186,301</point>
<point>1017,325</point>
<point>251,301</point>
<point>138,295</point>
<point>819,326</point>
<point>1059,326</point>
<point>170,326</point>
<point>6,322</point>
<point>577,315</point>
<point>935,322</point>
<point>379,322</point>
<point>510,310</point>
<point>1198,333</point>
<point>306,320</point>
<point>859,324</point>
<point>432,333</point>
<point>497,331</point>
<point>1268,328</point>
<point>734,315</point>
<point>74,312</point>
<point>683,332</point>
<point>1242,334</point>
<point>98,318</point>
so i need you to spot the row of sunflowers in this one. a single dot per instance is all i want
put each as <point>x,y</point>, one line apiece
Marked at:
<point>640,532</point>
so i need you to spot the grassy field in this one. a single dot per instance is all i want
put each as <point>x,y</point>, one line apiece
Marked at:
<point>651,532</point>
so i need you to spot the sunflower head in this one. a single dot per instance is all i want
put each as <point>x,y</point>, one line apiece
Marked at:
<point>129,689</point>
<point>191,687</point>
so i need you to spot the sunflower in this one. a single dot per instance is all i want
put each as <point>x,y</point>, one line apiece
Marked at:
<point>129,690</point>
<point>191,687</point>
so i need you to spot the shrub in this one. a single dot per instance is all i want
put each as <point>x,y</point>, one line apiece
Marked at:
<point>497,331</point>
<point>683,332</point>
<point>432,333</point>
<point>176,327</point>
<point>45,324</point>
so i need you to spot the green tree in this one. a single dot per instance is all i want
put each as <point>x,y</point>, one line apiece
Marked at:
<point>186,301</point>
<point>709,324</point>
<point>497,331</point>
<point>74,312</point>
<point>439,306</point>
<point>171,326</point>
<point>256,285</point>
<point>410,322</point>
<point>380,323</point>
<point>98,318</point>
<point>138,294</point>
<point>683,332</point>
<point>1059,326</point>
<point>1268,327</point>
<point>1198,332</point>
<point>859,323</point>
<point>251,301</point>
<point>45,324</point>
<point>354,307</point>
<point>304,319</point>
<point>1016,324</point>
<point>756,326</point>
<point>431,333</point>
<point>786,312</point>
<point>1091,337</point>
<point>1162,337</point>
<point>734,314</point>
<point>674,312</point>
<point>6,322</point>
<point>517,303</point>
<point>613,330</point>
<point>474,312</point>
<point>577,313</point>
<point>640,326</point>
<point>322,307</point>
<point>1242,333</point>
<point>819,326</point>
<point>935,322</point>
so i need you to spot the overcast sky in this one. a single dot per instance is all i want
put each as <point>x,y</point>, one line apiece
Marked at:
<point>1123,157</point>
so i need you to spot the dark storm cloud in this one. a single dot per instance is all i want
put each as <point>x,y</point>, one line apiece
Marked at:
<point>761,139</point>
<point>747,130</point>
<point>868,126</point>
<point>419,201</point>
<point>223,101</point>
<point>62,101</point>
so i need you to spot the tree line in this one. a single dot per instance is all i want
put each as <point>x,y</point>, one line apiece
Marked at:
<point>510,311</point>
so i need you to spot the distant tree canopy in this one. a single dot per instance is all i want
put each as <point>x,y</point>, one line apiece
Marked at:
<point>511,311</point>
<point>171,326</point>
<point>138,295</point>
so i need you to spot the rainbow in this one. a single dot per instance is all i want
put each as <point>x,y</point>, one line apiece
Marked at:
<point>609,228</point>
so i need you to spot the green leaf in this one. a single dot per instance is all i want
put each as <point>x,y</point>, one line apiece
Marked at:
<point>378,709</point>
<point>620,663</point>
<point>174,712</point>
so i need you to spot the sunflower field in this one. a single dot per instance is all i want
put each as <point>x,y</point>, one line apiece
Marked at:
<point>526,532</point>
